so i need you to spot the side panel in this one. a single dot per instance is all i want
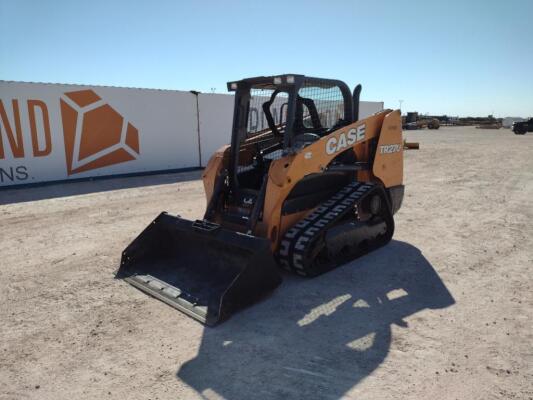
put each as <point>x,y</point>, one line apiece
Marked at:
<point>286,172</point>
<point>388,162</point>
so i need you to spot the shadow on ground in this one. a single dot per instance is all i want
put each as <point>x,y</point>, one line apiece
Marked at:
<point>316,339</point>
<point>50,191</point>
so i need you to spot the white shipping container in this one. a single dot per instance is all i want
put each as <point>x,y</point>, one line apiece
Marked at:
<point>52,132</point>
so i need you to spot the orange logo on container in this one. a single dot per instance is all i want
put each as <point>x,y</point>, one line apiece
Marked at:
<point>96,135</point>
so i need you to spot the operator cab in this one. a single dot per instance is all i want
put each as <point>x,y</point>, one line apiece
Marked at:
<point>277,115</point>
<point>273,117</point>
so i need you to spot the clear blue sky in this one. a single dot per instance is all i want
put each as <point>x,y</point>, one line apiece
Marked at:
<point>446,57</point>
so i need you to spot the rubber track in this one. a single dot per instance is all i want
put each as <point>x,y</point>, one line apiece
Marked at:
<point>296,240</point>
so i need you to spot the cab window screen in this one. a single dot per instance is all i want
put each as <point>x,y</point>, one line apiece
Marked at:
<point>257,119</point>
<point>327,101</point>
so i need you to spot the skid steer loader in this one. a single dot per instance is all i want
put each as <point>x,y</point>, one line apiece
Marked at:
<point>305,185</point>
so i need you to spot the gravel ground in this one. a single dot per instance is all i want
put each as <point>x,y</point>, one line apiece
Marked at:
<point>445,311</point>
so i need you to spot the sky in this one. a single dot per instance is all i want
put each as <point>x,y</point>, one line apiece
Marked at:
<point>461,58</point>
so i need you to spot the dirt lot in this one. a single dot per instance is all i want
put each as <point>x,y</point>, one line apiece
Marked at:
<point>445,311</point>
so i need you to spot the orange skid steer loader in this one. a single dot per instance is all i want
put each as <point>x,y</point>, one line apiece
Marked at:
<point>305,185</point>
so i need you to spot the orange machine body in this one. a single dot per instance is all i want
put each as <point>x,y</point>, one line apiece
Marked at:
<point>386,160</point>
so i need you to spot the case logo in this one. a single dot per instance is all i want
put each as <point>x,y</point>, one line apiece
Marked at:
<point>334,145</point>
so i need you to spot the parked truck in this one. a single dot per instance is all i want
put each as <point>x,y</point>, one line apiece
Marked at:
<point>520,128</point>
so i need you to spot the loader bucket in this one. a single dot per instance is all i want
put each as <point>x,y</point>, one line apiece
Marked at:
<point>200,268</point>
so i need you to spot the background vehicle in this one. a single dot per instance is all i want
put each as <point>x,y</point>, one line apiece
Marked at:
<point>520,128</point>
